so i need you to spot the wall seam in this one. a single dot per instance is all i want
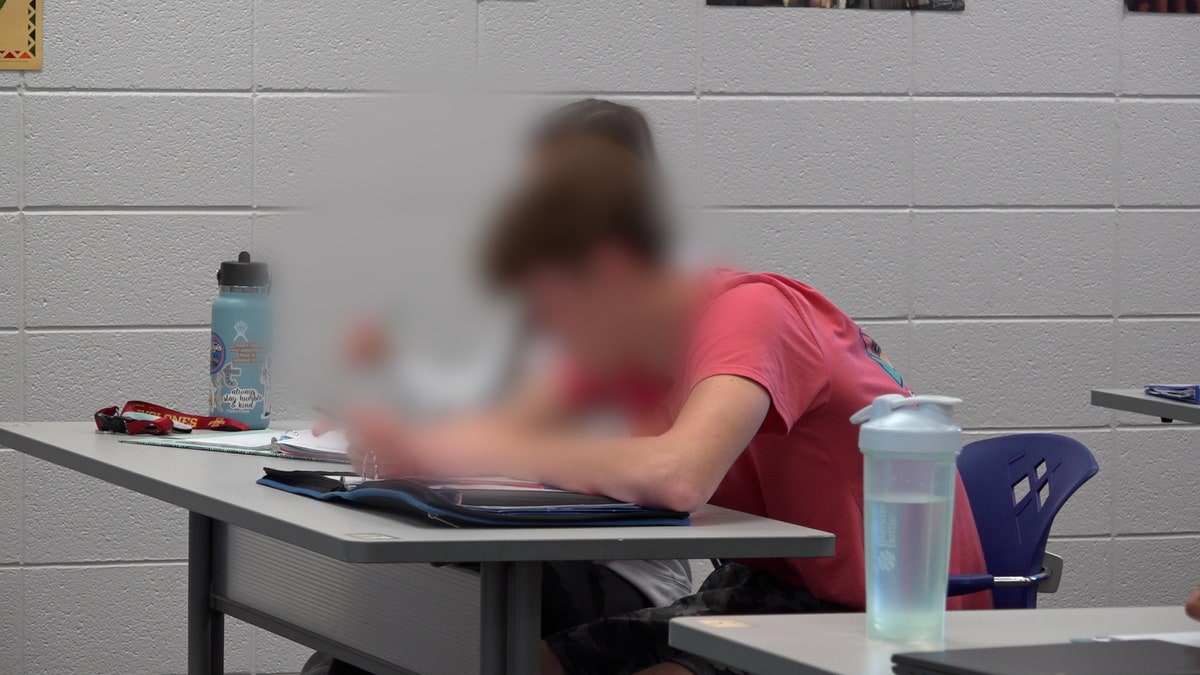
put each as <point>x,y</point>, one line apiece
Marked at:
<point>22,351</point>
<point>910,280</point>
<point>76,92</point>
<point>1117,175</point>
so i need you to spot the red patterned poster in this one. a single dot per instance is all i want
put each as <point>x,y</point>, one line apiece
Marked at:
<point>20,34</point>
<point>943,5</point>
<point>1166,6</point>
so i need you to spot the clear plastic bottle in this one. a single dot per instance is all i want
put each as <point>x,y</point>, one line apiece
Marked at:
<point>909,447</point>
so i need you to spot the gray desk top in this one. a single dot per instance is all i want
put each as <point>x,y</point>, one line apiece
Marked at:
<point>221,486</point>
<point>837,643</point>
<point>1136,401</point>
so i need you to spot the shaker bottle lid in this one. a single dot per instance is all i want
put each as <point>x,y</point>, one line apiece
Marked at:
<point>243,272</point>
<point>909,424</point>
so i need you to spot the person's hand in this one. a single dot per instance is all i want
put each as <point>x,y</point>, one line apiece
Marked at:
<point>381,445</point>
<point>1193,605</point>
<point>365,345</point>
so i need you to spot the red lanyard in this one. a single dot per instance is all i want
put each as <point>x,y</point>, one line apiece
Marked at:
<point>108,419</point>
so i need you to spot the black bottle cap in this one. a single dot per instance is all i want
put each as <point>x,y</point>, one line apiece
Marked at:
<point>242,272</point>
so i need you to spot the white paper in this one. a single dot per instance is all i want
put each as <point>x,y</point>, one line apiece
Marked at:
<point>329,443</point>
<point>1189,639</point>
<point>253,441</point>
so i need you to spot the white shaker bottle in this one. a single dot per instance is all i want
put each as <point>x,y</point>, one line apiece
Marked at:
<point>909,447</point>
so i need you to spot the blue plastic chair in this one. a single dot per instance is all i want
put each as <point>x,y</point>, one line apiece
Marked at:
<point>1016,485</point>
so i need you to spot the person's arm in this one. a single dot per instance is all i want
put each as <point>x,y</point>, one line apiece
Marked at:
<point>533,406</point>
<point>678,470</point>
<point>1193,605</point>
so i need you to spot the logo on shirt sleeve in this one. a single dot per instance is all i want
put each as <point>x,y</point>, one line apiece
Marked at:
<point>875,353</point>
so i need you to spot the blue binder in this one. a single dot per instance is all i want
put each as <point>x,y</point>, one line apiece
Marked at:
<point>469,508</point>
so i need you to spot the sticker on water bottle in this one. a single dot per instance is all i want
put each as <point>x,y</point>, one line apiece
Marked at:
<point>216,354</point>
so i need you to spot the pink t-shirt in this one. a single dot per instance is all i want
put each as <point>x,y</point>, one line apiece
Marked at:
<point>803,466</point>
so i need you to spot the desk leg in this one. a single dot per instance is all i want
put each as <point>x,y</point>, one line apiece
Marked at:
<point>206,634</point>
<point>493,610</point>
<point>524,617</point>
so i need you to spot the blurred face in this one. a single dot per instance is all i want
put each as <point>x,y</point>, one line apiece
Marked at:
<point>592,312</point>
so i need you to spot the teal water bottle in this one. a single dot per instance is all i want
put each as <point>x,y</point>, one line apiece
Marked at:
<point>239,364</point>
<point>909,447</point>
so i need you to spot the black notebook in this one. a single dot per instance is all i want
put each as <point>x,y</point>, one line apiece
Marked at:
<point>1140,657</point>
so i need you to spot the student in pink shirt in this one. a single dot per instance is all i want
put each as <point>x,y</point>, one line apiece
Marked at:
<point>737,388</point>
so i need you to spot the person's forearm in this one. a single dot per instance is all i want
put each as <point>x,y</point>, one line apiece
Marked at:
<point>650,471</point>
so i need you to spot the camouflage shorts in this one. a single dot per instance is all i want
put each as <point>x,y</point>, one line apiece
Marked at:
<point>637,640</point>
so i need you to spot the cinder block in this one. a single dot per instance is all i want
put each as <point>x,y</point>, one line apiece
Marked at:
<point>1153,571</point>
<point>377,44</point>
<point>895,340</point>
<point>1005,152</point>
<point>241,647</point>
<point>1015,373</point>
<point>1154,351</point>
<point>270,234</point>
<point>1089,512</point>
<point>1148,244</point>
<point>1087,574</point>
<point>1159,54</point>
<point>10,270</point>
<point>10,377</point>
<point>1013,263</point>
<point>322,150</point>
<point>274,654</point>
<point>406,152</point>
<point>672,119</point>
<point>115,619</point>
<point>295,139</point>
<point>12,605</point>
<point>120,619</point>
<point>11,541</point>
<point>147,150</point>
<point>782,50</point>
<point>1159,162</point>
<point>857,259</point>
<point>173,286</point>
<point>576,45</point>
<point>843,152</point>
<point>1159,474</point>
<point>70,517</point>
<point>72,374</point>
<point>146,45</point>
<point>1013,47</point>
<point>674,124</point>
<point>10,147</point>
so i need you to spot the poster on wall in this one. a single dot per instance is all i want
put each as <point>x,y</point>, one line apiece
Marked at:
<point>20,34</point>
<point>1164,6</point>
<point>941,5</point>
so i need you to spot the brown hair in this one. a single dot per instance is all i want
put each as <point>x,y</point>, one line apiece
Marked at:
<point>623,125</point>
<point>593,192</point>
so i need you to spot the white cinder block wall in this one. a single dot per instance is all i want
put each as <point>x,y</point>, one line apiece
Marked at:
<point>1006,197</point>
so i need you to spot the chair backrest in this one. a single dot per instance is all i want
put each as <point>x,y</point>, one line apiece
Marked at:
<point>1016,485</point>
